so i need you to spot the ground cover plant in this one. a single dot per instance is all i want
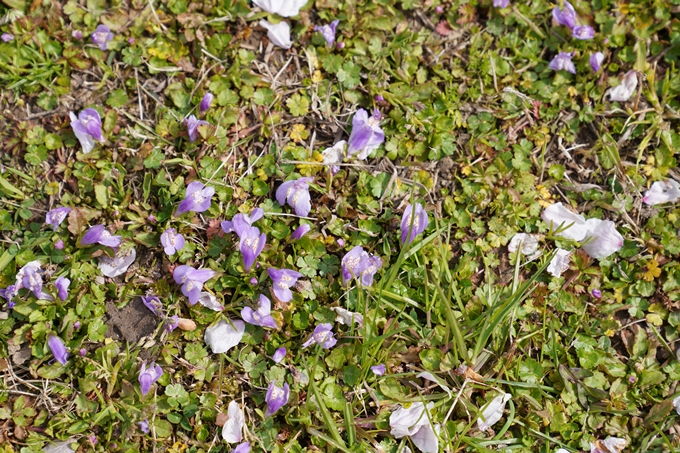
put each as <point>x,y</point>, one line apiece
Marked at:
<point>339,225</point>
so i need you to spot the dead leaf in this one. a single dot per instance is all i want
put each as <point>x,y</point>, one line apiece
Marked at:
<point>76,222</point>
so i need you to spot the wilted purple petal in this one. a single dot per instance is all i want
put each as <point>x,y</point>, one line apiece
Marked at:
<point>501,3</point>
<point>7,37</point>
<point>32,280</point>
<point>171,323</point>
<point>119,264</point>
<point>596,293</point>
<point>9,293</point>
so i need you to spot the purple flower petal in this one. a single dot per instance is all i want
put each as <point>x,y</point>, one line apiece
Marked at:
<point>62,285</point>
<point>378,370</point>
<point>300,231</point>
<point>101,36</point>
<point>154,304</point>
<point>562,62</point>
<point>366,134</point>
<point>148,377</point>
<point>566,16</point>
<point>283,279</point>
<point>328,32</point>
<point>197,199</point>
<point>56,216</point>
<point>583,32</point>
<point>415,224</point>
<point>58,349</point>
<point>172,241</point>
<point>205,103</point>
<point>279,354</point>
<point>192,124</point>
<point>276,398</point>
<point>323,336</point>
<point>596,60</point>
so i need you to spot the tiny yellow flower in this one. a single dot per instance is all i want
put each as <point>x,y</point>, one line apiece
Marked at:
<point>299,133</point>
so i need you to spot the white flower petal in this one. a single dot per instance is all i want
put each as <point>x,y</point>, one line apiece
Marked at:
<point>232,431</point>
<point>406,422</point>
<point>35,265</point>
<point>614,444</point>
<point>604,239</point>
<point>559,263</point>
<point>209,301</point>
<point>285,8</point>
<point>558,215</point>
<point>426,439</point>
<point>624,91</point>
<point>662,192</point>
<point>676,403</point>
<point>347,317</point>
<point>334,154</point>
<point>86,140</point>
<point>119,264</point>
<point>529,243</point>
<point>222,336</point>
<point>493,412</point>
<point>279,33</point>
